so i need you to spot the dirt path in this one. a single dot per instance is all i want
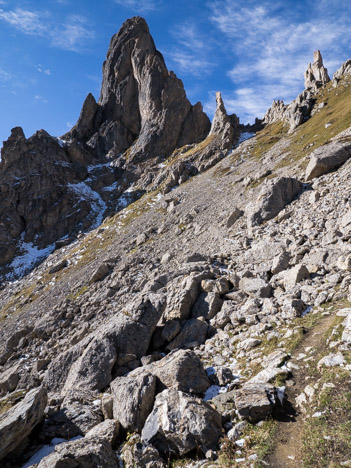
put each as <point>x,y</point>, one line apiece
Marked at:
<point>288,447</point>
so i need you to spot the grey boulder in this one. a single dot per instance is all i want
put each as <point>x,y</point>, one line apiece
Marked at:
<point>255,402</point>
<point>19,421</point>
<point>327,158</point>
<point>180,423</point>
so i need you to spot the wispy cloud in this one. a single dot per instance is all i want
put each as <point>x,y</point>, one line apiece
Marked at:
<point>39,98</point>
<point>141,6</point>
<point>192,54</point>
<point>4,75</point>
<point>72,34</point>
<point>272,45</point>
<point>42,69</point>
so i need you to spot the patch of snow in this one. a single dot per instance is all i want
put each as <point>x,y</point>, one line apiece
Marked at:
<point>27,259</point>
<point>318,414</point>
<point>306,311</point>
<point>240,443</point>
<point>281,394</point>
<point>111,188</point>
<point>125,199</point>
<point>97,204</point>
<point>61,142</point>
<point>210,371</point>
<point>245,136</point>
<point>46,450</point>
<point>213,391</point>
<point>163,164</point>
<point>93,167</point>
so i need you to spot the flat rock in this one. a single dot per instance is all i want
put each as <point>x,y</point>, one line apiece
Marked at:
<point>19,421</point>
<point>327,158</point>
<point>81,453</point>
<point>255,402</point>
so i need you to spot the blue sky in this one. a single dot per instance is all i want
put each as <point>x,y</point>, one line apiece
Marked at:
<point>253,51</point>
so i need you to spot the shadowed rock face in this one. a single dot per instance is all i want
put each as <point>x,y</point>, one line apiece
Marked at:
<point>141,103</point>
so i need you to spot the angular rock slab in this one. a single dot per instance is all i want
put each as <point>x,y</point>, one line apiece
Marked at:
<point>19,421</point>
<point>180,423</point>
<point>327,158</point>
<point>81,453</point>
<point>135,453</point>
<point>255,402</point>
<point>274,196</point>
<point>180,369</point>
<point>133,399</point>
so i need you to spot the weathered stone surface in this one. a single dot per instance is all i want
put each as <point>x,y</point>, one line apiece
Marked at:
<point>332,360</point>
<point>255,402</point>
<point>19,421</point>
<point>107,430</point>
<point>194,330</point>
<point>316,74</point>
<point>295,275</point>
<point>180,369</point>
<point>81,453</point>
<point>133,399</point>
<point>76,415</point>
<point>327,158</point>
<point>255,287</point>
<point>344,70</point>
<point>207,305</point>
<point>59,266</point>
<point>180,423</point>
<point>9,380</point>
<point>135,453</point>
<point>224,126</point>
<point>88,364</point>
<point>102,271</point>
<point>234,216</point>
<point>274,196</point>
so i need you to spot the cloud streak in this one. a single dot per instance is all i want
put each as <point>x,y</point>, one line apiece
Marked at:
<point>272,45</point>
<point>73,34</point>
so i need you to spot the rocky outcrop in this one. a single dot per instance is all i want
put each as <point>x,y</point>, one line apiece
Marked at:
<point>180,423</point>
<point>316,74</point>
<point>255,402</point>
<point>299,110</point>
<point>81,453</point>
<point>43,195</point>
<point>344,70</point>
<point>19,421</point>
<point>274,196</point>
<point>327,158</point>
<point>142,106</point>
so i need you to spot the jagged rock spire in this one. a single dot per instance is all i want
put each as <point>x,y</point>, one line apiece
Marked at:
<point>316,74</point>
<point>223,125</point>
<point>142,105</point>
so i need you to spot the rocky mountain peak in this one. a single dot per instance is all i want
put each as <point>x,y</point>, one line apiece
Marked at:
<point>316,74</point>
<point>142,106</point>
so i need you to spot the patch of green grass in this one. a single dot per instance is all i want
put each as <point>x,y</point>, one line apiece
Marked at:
<point>74,295</point>
<point>326,440</point>
<point>268,137</point>
<point>312,134</point>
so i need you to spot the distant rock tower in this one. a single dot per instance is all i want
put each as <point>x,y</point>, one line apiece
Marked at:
<point>316,74</point>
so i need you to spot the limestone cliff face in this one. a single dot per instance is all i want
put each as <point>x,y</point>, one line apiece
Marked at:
<point>142,105</point>
<point>316,74</point>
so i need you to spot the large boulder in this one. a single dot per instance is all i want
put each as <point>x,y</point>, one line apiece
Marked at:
<point>255,402</point>
<point>327,158</point>
<point>134,454</point>
<point>133,399</point>
<point>180,369</point>
<point>180,423</point>
<point>274,196</point>
<point>81,453</point>
<point>88,365</point>
<point>20,420</point>
<point>193,331</point>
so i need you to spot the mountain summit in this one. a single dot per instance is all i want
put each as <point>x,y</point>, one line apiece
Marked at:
<point>142,105</point>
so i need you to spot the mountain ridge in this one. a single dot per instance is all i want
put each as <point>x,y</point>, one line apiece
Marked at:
<point>169,330</point>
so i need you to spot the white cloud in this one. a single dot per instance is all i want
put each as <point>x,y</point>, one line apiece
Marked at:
<point>272,44</point>
<point>39,98</point>
<point>26,21</point>
<point>73,34</point>
<point>192,54</point>
<point>42,69</point>
<point>141,6</point>
<point>4,75</point>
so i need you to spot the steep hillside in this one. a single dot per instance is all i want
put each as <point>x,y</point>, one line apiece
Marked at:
<point>202,316</point>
